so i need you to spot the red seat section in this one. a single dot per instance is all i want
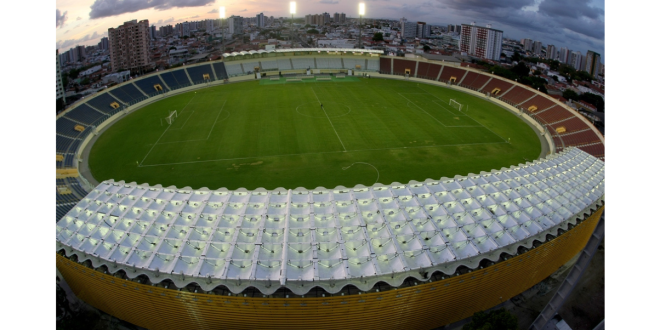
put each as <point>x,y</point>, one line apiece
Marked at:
<point>517,95</point>
<point>540,102</point>
<point>400,67</point>
<point>553,115</point>
<point>581,138</point>
<point>474,80</point>
<point>449,72</point>
<point>597,150</point>
<point>423,71</point>
<point>434,69</point>
<point>497,83</point>
<point>571,125</point>
<point>385,65</point>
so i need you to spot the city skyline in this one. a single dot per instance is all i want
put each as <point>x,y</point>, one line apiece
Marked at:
<point>563,23</point>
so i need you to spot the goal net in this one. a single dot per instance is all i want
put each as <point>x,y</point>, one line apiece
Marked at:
<point>455,105</point>
<point>169,119</point>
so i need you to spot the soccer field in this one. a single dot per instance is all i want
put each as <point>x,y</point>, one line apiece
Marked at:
<point>311,134</point>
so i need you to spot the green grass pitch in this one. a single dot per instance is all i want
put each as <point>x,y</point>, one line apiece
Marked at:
<point>278,135</point>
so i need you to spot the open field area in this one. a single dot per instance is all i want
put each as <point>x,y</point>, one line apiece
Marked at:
<point>278,135</point>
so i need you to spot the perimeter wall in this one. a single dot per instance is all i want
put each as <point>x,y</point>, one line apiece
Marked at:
<point>423,306</point>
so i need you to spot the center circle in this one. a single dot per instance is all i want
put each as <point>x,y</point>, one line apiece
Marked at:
<point>332,109</point>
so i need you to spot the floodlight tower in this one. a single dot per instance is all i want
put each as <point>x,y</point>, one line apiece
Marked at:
<point>222,27</point>
<point>361,12</point>
<point>292,10</point>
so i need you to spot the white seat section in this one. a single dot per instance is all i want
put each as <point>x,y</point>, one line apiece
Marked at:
<point>284,63</point>
<point>234,69</point>
<point>303,63</point>
<point>327,236</point>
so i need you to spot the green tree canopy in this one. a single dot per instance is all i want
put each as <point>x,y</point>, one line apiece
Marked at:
<point>378,36</point>
<point>499,319</point>
<point>312,31</point>
<point>570,94</point>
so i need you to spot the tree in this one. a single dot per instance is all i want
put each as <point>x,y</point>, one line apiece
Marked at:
<point>521,70</point>
<point>59,106</point>
<point>427,48</point>
<point>312,31</point>
<point>499,319</point>
<point>594,99</point>
<point>378,36</point>
<point>570,94</point>
<point>516,56</point>
<point>537,72</point>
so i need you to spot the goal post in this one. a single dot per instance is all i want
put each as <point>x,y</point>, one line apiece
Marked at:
<point>455,105</point>
<point>170,118</point>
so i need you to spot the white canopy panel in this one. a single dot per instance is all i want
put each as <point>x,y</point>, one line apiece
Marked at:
<point>331,237</point>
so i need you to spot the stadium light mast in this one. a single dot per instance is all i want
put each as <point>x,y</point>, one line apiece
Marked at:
<point>361,12</point>
<point>222,27</point>
<point>292,10</point>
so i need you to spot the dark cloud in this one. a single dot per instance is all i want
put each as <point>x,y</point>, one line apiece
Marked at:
<point>107,8</point>
<point>570,9</point>
<point>64,45</point>
<point>61,19</point>
<point>214,11</point>
<point>196,16</point>
<point>485,5</point>
<point>242,10</point>
<point>169,20</point>
<point>329,2</point>
<point>558,22</point>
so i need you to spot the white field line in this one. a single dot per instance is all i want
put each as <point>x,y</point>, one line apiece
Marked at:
<point>216,119</point>
<point>161,136</point>
<point>377,172</point>
<point>170,142</point>
<point>320,153</point>
<point>409,101</point>
<point>468,117</point>
<point>443,107</point>
<point>326,115</point>
<point>184,124</point>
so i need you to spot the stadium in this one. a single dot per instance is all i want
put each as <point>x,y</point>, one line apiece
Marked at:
<point>382,254</point>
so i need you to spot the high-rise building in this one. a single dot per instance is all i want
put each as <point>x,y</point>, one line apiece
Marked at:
<point>235,24</point>
<point>210,25</point>
<point>342,18</point>
<point>528,44</point>
<point>326,18</point>
<point>551,52</point>
<point>423,30</point>
<point>537,49</point>
<point>261,20</point>
<point>408,29</point>
<point>592,64</point>
<point>576,60</point>
<point>64,58</point>
<point>152,32</point>
<point>103,44</point>
<point>484,42</point>
<point>564,55</point>
<point>129,45</point>
<point>166,30</point>
<point>336,18</point>
<point>58,78</point>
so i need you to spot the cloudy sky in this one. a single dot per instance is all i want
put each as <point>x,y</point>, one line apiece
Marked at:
<point>576,24</point>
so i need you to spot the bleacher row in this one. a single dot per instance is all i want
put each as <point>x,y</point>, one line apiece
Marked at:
<point>76,123</point>
<point>566,128</point>
<point>280,64</point>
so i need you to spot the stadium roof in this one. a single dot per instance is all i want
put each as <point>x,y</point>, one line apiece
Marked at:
<point>291,50</point>
<point>329,237</point>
